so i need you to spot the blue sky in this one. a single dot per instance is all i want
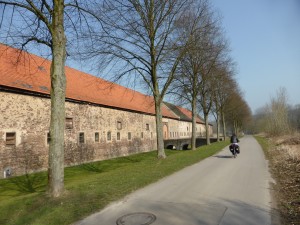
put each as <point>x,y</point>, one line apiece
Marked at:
<point>264,37</point>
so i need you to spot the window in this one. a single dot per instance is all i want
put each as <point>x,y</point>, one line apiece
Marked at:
<point>97,137</point>
<point>119,125</point>
<point>151,135</point>
<point>118,136</point>
<point>147,126</point>
<point>69,123</point>
<point>129,135</point>
<point>10,139</point>
<point>48,138</point>
<point>81,137</point>
<point>109,136</point>
<point>142,135</point>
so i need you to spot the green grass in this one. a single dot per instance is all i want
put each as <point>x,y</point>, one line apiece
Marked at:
<point>89,187</point>
<point>264,143</point>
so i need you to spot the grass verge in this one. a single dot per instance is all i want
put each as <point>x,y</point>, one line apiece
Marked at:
<point>264,143</point>
<point>89,187</point>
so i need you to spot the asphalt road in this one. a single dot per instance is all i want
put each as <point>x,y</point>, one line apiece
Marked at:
<point>219,190</point>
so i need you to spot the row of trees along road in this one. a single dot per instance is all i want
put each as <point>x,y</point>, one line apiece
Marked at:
<point>176,43</point>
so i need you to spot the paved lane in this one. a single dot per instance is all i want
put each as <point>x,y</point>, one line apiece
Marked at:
<point>219,190</point>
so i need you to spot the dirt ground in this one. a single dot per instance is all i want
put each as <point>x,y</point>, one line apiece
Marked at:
<point>284,156</point>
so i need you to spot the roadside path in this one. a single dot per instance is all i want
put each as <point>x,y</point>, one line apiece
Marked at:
<point>219,190</point>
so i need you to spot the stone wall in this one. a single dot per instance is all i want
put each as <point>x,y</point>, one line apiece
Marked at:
<point>182,129</point>
<point>24,126</point>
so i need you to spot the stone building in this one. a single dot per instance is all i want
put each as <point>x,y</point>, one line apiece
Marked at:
<point>103,119</point>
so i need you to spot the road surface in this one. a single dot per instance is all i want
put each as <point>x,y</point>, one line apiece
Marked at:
<point>218,190</point>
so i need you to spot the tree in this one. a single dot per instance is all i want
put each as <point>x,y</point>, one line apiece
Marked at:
<point>44,22</point>
<point>259,120</point>
<point>224,83</point>
<point>209,72</point>
<point>195,79</point>
<point>238,113</point>
<point>198,23</point>
<point>277,115</point>
<point>294,117</point>
<point>138,38</point>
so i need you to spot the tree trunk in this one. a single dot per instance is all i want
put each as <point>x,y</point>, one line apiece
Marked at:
<point>218,127</point>
<point>207,129</point>
<point>224,126</point>
<point>159,130</point>
<point>235,127</point>
<point>194,115</point>
<point>58,89</point>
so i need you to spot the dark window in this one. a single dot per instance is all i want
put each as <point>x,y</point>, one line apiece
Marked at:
<point>69,123</point>
<point>108,135</point>
<point>129,135</point>
<point>81,137</point>
<point>147,126</point>
<point>151,135</point>
<point>48,138</point>
<point>142,135</point>
<point>10,139</point>
<point>119,125</point>
<point>97,137</point>
<point>118,136</point>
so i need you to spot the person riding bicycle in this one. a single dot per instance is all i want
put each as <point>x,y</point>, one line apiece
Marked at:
<point>234,141</point>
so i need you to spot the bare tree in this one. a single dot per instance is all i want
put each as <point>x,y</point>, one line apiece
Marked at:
<point>224,83</point>
<point>238,113</point>
<point>280,112</point>
<point>277,115</point>
<point>294,117</point>
<point>44,22</point>
<point>209,72</point>
<point>139,40</point>
<point>193,78</point>
<point>198,22</point>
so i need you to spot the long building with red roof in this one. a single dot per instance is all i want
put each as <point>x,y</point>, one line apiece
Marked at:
<point>103,119</point>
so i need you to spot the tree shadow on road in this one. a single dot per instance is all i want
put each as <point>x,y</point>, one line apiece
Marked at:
<point>223,156</point>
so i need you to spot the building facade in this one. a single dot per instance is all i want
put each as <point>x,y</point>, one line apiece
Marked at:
<point>103,120</point>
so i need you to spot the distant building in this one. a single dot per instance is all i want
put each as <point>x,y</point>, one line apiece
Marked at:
<point>103,119</point>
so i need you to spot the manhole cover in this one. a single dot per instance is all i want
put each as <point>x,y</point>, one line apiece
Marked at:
<point>138,218</point>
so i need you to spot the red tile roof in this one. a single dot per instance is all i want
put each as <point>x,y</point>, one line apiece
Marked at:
<point>29,72</point>
<point>189,114</point>
<point>182,113</point>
